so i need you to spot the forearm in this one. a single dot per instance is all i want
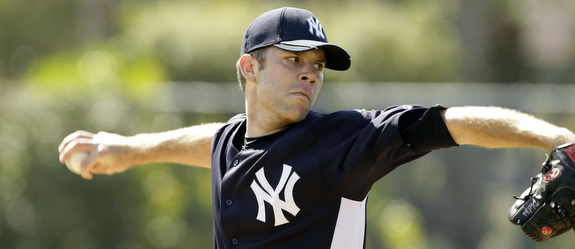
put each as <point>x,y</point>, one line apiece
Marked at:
<point>111,153</point>
<point>494,127</point>
<point>189,146</point>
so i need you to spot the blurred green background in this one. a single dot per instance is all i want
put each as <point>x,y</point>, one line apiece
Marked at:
<point>128,66</point>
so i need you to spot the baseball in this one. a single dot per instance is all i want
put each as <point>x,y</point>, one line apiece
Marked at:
<point>74,164</point>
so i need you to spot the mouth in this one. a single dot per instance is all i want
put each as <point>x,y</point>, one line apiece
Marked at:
<point>303,94</point>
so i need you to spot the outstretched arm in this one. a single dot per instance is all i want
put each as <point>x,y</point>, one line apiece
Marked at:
<point>495,127</point>
<point>112,153</point>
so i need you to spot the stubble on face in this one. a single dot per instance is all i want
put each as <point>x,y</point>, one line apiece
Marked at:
<point>287,88</point>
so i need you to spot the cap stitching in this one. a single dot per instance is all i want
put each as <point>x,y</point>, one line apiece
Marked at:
<point>281,24</point>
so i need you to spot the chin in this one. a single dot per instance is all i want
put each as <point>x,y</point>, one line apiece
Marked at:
<point>296,113</point>
<point>294,116</point>
<point>301,116</point>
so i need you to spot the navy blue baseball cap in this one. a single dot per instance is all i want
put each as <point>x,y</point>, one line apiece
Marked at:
<point>295,30</point>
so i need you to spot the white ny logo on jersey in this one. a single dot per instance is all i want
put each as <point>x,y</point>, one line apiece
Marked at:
<point>265,193</point>
<point>315,25</point>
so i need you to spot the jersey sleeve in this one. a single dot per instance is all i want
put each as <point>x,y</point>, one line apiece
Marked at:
<point>357,148</point>
<point>425,130</point>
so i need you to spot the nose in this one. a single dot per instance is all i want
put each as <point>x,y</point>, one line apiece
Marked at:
<point>308,76</point>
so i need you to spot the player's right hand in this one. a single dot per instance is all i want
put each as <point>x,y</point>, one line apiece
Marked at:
<point>108,152</point>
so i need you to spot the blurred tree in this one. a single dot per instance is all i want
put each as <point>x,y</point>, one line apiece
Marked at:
<point>43,27</point>
<point>395,41</point>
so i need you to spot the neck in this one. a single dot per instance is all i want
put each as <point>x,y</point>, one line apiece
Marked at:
<point>257,128</point>
<point>260,123</point>
<point>262,120</point>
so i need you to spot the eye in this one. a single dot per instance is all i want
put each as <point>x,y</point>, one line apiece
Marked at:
<point>294,59</point>
<point>319,66</point>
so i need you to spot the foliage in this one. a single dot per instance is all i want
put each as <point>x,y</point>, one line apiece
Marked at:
<point>136,76</point>
<point>43,205</point>
<point>403,41</point>
<point>199,40</point>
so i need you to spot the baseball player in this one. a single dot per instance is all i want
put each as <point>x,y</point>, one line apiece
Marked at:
<point>284,176</point>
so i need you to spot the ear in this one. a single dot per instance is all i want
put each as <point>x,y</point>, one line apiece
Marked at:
<point>247,65</point>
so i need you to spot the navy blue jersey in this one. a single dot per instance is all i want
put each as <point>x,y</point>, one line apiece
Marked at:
<point>308,188</point>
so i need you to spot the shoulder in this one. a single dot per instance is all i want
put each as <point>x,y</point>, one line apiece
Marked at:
<point>358,114</point>
<point>361,116</point>
<point>232,125</point>
<point>238,118</point>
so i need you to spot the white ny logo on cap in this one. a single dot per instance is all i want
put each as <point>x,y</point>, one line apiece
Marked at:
<point>315,25</point>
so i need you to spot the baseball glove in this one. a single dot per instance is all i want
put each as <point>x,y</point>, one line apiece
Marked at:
<point>547,208</point>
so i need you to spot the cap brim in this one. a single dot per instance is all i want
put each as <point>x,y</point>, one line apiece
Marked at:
<point>337,58</point>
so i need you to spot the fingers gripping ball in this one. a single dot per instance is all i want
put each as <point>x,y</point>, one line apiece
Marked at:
<point>547,208</point>
<point>74,164</point>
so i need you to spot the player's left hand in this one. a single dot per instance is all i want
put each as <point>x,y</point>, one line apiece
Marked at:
<point>547,208</point>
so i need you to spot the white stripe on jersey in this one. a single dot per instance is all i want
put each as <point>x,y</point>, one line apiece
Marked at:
<point>350,226</point>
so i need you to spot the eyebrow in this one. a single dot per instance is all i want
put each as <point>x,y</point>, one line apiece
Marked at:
<point>323,60</point>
